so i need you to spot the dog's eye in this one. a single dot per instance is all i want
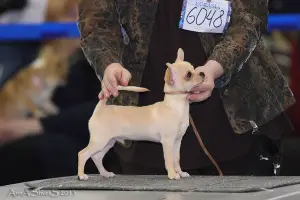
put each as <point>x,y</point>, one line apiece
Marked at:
<point>202,74</point>
<point>188,75</point>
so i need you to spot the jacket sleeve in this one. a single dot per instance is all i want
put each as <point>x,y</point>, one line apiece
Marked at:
<point>249,20</point>
<point>100,33</point>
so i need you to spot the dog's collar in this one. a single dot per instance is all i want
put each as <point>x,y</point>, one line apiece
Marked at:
<point>178,92</point>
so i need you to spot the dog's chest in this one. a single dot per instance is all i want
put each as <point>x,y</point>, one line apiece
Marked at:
<point>183,116</point>
<point>184,123</point>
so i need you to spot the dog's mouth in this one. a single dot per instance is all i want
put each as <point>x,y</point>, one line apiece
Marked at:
<point>183,92</point>
<point>197,91</point>
<point>194,92</point>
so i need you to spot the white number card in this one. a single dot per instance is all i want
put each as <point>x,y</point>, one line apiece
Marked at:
<point>206,16</point>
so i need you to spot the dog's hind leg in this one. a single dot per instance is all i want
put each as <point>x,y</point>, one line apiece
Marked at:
<point>86,153</point>
<point>98,159</point>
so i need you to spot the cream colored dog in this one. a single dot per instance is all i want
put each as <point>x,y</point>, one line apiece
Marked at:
<point>164,122</point>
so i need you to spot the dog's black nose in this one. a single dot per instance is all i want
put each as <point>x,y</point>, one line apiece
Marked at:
<point>202,74</point>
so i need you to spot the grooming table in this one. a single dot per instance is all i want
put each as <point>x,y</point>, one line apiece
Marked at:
<point>158,188</point>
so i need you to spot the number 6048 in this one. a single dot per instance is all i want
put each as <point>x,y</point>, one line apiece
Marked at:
<point>199,15</point>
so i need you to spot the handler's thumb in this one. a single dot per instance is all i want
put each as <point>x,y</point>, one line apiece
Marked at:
<point>125,77</point>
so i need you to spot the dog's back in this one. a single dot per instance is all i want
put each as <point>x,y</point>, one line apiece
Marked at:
<point>139,123</point>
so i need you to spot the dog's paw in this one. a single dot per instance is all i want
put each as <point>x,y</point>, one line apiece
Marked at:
<point>184,174</point>
<point>173,176</point>
<point>107,174</point>
<point>51,109</point>
<point>39,114</point>
<point>83,177</point>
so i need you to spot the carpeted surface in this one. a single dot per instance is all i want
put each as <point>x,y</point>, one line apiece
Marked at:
<point>161,183</point>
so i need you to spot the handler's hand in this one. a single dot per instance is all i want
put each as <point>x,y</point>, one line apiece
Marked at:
<point>115,74</point>
<point>212,71</point>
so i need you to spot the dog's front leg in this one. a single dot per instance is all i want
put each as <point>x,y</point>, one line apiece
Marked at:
<point>168,149</point>
<point>50,108</point>
<point>178,170</point>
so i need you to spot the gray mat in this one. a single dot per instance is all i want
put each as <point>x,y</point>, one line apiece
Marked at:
<point>161,183</point>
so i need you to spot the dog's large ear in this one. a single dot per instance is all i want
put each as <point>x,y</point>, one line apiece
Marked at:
<point>170,75</point>
<point>180,55</point>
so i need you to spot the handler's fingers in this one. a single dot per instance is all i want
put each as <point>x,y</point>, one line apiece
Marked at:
<point>111,84</point>
<point>105,91</point>
<point>203,87</point>
<point>101,95</point>
<point>125,77</point>
<point>199,97</point>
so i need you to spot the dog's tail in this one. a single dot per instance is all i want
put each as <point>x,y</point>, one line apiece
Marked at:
<point>132,88</point>
<point>125,88</point>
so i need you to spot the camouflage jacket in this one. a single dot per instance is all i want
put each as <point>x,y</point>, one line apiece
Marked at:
<point>252,88</point>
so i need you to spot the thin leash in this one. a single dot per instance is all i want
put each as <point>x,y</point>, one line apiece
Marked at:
<point>204,148</point>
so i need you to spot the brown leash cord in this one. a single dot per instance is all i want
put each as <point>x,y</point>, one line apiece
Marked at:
<point>204,148</point>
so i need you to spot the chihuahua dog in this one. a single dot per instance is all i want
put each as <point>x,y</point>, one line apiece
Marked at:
<point>111,123</point>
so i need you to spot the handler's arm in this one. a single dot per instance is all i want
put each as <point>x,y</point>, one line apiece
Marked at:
<point>249,20</point>
<point>100,33</point>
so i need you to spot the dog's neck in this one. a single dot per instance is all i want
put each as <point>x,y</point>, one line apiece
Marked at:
<point>175,98</point>
<point>169,90</point>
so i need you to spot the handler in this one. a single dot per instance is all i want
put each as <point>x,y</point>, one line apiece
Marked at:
<point>240,111</point>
